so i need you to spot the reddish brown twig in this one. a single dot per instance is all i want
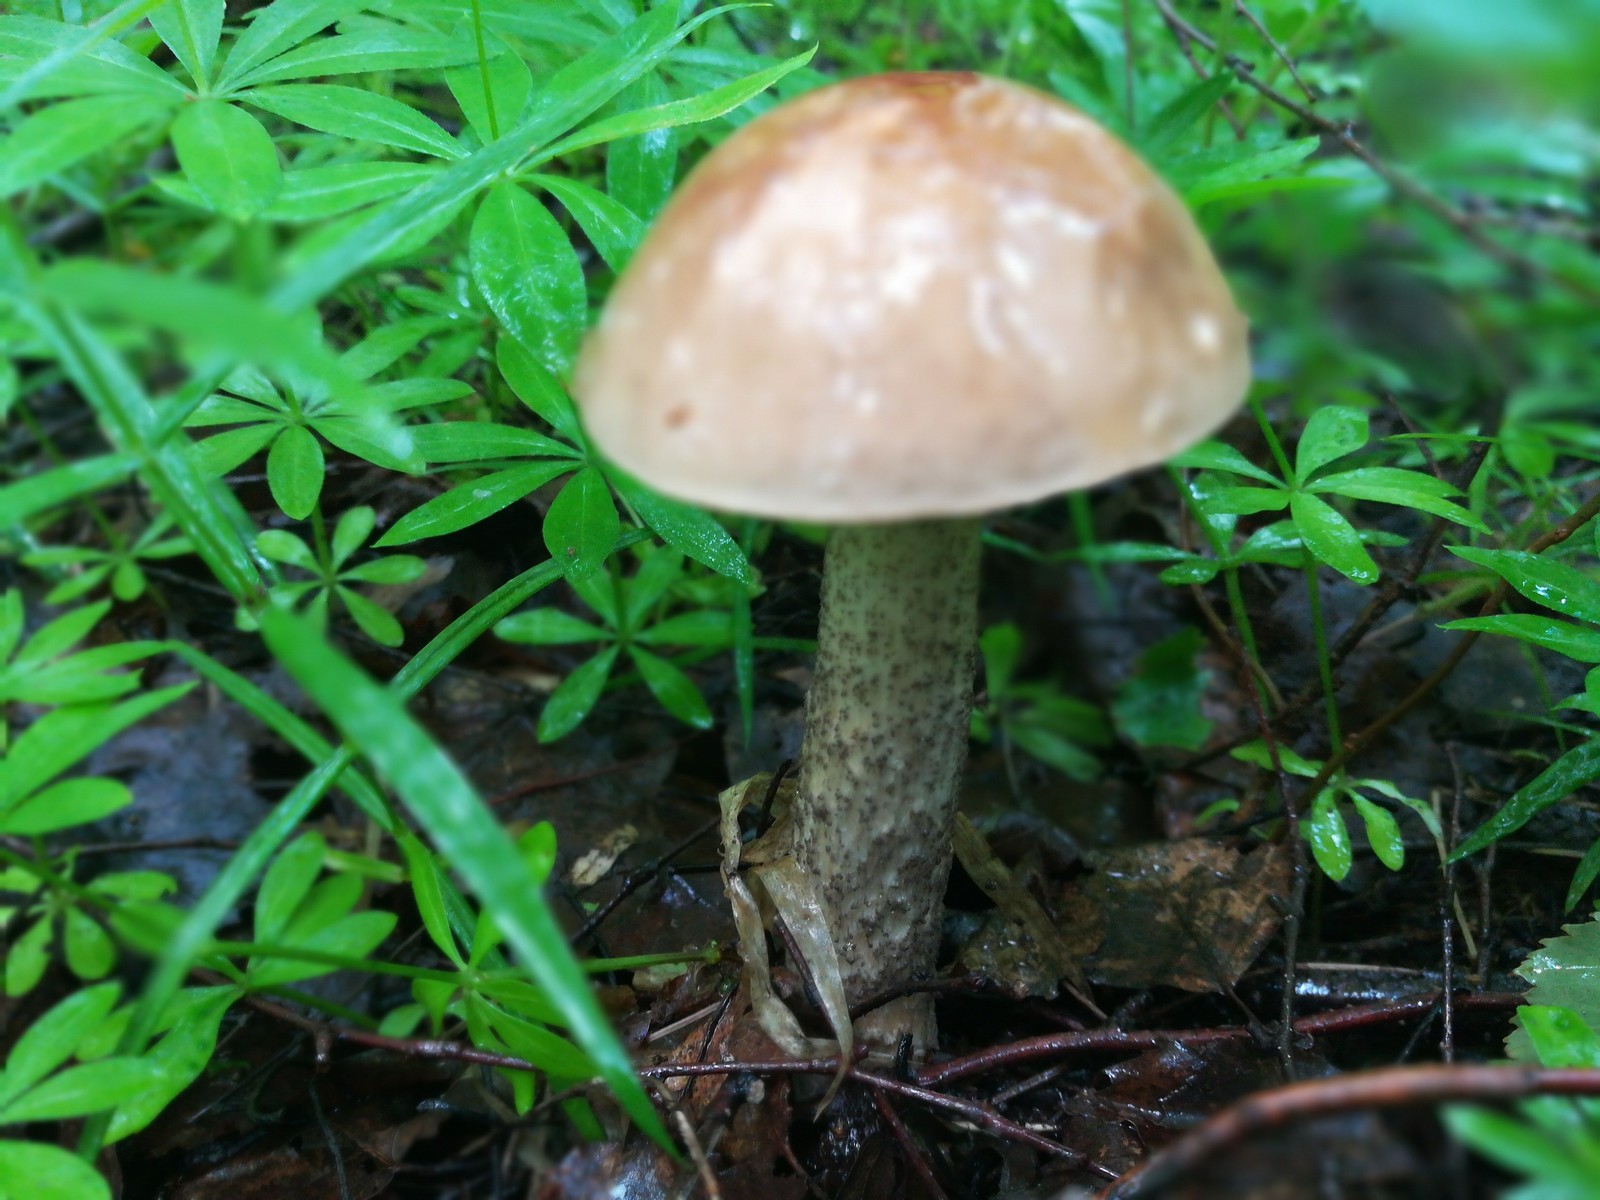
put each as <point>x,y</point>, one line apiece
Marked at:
<point>1057,1045</point>
<point>914,1155</point>
<point>1387,1087</point>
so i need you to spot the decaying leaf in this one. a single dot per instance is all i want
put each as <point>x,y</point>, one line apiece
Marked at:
<point>1189,914</point>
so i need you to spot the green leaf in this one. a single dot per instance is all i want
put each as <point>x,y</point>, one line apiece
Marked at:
<point>572,701</point>
<point>529,274</point>
<point>51,1039</point>
<point>58,485</point>
<point>1555,585</point>
<point>69,802</point>
<point>537,388</point>
<point>640,169</point>
<point>1213,174</point>
<point>47,1173</point>
<point>393,569</point>
<point>1392,485</point>
<point>476,441</point>
<point>613,230</point>
<point>81,1090</point>
<point>1564,972</point>
<point>548,627</point>
<point>1517,1147</point>
<point>1257,754</point>
<point>1180,113</point>
<point>675,690</point>
<point>90,952</point>
<point>179,1057</point>
<point>66,60</point>
<point>581,525</point>
<point>467,834</point>
<point>1574,641</point>
<point>287,882</point>
<point>373,46</point>
<point>472,502</point>
<point>564,98</point>
<point>1331,539</point>
<point>318,193</point>
<point>1383,832</point>
<point>191,29</point>
<point>377,622</point>
<point>694,109</point>
<point>1577,768</point>
<point>1560,1036</point>
<point>357,114</point>
<point>280,545</point>
<point>1219,456</point>
<point>295,470</point>
<point>351,532</point>
<point>275,28</point>
<point>703,627</point>
<point>493,111</point>
<point>228,156</point>
<point>56,137</point>
<point>1160,705</point>
<point>60,739</point>
<point>1330,432</point>
<point>1246,501</point>
<point>1330,839</point>
<point>684,527</point>
<point>427,887</point>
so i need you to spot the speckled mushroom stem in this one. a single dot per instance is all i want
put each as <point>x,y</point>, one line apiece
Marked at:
<point>885,742</point>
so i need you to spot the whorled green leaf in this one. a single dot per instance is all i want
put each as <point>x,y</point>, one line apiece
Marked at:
<point>548,627</point>
<point>529,274</point>
<point>192,30</point>
<point>668,684</point>
<point>1383,832</point>
<point>1577,642</point>
<point>536,387</point>
<point>684,527</point>
<point>1330,433</point>
<point>295,469</point>
<point>81,1090</point>
<point>62,134</point>
<point>1329,836</point>
<point>277,27</point>
<point>52,1038</point>
<point>613,229</point>
<point>1557,586</point>
<point>469,503</point>
<point>47,1172</point>
<point>228,156</point>
<point>357,114</point>
<point>581,524</point>
<point>1577,768</point>
<point>576,695</point>
<point>1330,537</point>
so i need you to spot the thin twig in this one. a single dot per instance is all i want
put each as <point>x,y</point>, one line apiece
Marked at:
<point>1276,47</point>
<point>914,1155</point>
<point>1462,221</point>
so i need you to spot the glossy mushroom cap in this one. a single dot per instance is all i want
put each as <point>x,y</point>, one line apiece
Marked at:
<point>912,295</point>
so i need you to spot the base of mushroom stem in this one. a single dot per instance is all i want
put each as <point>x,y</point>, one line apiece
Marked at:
<point>883,1030</point>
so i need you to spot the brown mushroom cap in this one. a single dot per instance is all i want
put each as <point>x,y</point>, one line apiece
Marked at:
<point>912,295</point>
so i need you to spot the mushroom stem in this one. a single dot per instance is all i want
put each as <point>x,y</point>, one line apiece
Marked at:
<point>885,742</point>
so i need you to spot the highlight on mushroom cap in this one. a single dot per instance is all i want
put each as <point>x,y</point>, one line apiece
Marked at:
<point>912,295</point>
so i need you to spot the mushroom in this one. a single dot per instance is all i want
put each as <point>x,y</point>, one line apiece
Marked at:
<point>893,305</point>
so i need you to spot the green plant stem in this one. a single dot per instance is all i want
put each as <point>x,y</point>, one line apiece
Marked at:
<point>1319,634</point>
